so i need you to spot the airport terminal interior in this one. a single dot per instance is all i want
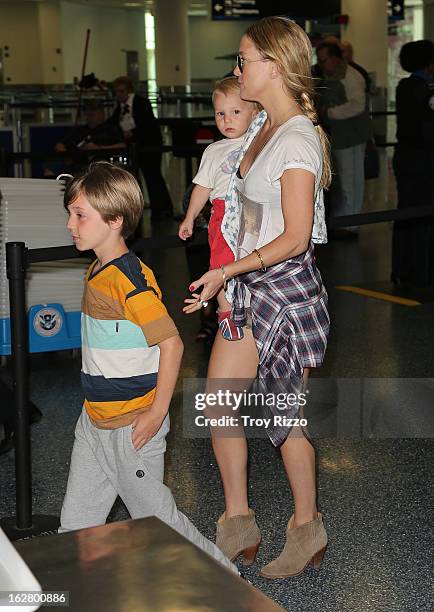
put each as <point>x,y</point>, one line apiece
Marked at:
<point>371,409</point>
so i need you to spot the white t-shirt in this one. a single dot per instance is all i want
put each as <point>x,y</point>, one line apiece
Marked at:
<point>126,119</point>
<point>217,164</point>
<point>295,144</point>
<point>355,92</point>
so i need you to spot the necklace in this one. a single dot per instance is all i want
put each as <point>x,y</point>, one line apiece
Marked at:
<point>267,138</point>
<point>256,151</point>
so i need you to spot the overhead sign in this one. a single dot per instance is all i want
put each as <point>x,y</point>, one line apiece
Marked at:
<point>256,9</point>
<point>236,9</point>
<point>395,9</point>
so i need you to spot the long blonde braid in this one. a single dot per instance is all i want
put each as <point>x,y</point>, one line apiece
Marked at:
<point>285,43</point>
<point>305,101</point>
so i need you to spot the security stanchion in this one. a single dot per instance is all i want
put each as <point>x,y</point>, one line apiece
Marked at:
<point>24,524</point>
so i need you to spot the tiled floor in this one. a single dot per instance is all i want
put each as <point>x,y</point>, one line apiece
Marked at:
<point>373,492</point>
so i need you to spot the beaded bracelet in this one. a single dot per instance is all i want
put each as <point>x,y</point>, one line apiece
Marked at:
<point>263,267</point>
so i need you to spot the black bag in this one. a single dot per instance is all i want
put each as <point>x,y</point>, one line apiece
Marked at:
<point>372,160</point>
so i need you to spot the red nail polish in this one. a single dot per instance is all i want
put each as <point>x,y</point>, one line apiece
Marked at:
<point>191,288</point>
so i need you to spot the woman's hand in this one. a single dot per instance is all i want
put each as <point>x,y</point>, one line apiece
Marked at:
<point>211,282</point>
<point>194,304</point>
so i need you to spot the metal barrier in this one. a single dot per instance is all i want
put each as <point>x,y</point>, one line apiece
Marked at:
<point>188,152</point>
<point>381,216</point>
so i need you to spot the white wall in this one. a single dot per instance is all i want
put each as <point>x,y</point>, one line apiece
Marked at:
<point>367,32</point>
<point>112,29</point>
<point>171,42</point>
<point>428,6</point>
<point>50,37</point>
<point>19,31</point>
<point>209,39</point>
<point>33,40</point>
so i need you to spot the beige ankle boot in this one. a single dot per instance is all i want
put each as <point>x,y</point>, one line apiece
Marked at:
<point>304,544</point>
<point>239,535</point>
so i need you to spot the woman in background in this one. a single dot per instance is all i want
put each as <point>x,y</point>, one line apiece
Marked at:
<point>413,164</point>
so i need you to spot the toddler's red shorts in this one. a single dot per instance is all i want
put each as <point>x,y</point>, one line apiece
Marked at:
<point>221,253</point>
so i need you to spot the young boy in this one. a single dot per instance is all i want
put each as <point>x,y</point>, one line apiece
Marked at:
<point>232,116</point>
<point>131,353</point>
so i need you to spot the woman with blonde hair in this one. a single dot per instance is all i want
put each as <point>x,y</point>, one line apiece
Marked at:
<point>274,214</point>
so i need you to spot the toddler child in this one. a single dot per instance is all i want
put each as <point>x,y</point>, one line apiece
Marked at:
<point>233,116</point>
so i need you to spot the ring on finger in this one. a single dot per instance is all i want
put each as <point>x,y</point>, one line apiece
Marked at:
<point>203,303</point>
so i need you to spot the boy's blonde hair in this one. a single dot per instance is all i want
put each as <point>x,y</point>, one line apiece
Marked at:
<point>110,190</point>
<point>230,85</point>
<point>226,86</point>
<point>282,41</point>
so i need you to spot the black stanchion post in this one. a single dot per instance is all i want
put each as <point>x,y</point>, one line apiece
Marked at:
<point>3,162</point>
<point>133,160</point>
<point>188,170</point>
<point>16,273</point>
<point>24,524</point>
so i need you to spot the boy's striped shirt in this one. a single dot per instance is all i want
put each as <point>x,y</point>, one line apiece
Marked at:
<point>123,320</point>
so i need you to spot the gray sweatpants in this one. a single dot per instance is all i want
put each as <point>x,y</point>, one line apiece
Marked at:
<point>104,464</point>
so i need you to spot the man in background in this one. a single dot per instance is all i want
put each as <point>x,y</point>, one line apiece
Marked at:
<point>134,116</point>
<point>413,165</point>
<point>345,114</point>
<point>96,133</point>
<point>348,55</point>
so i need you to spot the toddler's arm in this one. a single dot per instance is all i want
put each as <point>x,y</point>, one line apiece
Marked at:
<point>146,425</point>
<point>199,197</point>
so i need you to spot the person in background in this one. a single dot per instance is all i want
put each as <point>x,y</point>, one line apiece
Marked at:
<point>348,55</point>
<point>134,115</point>
<point>345,114</point>
<point>413,164</point>
<point>90,83</point>
<point>317,72</point>
<point>96,133</point>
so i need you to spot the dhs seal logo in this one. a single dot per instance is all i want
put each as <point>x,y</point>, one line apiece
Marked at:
<point>47,322</point>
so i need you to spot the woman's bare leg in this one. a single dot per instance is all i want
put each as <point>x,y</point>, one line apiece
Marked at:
<point>298,457</point>
<point>224,305</point>
<point>230,361</point>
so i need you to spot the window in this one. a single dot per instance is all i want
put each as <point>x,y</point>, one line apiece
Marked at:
<point>150,54</point>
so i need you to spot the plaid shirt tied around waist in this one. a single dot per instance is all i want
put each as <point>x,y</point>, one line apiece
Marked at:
<point>290,325</point>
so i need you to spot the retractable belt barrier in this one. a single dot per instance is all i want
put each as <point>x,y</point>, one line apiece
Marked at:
<point>181,150</point>
<point>131,155</point>
<point>381,216</point>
